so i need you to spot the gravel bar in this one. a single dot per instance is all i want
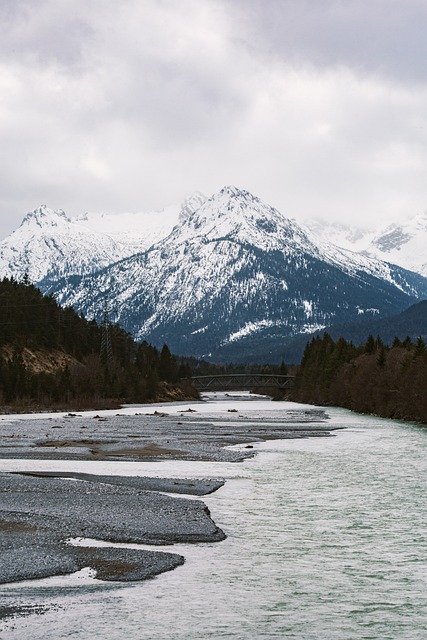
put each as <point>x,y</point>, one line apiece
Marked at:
<point>38,514</point>
<point>39,511</point>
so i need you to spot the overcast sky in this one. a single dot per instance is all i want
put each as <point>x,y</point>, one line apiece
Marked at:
<point>319,107</point>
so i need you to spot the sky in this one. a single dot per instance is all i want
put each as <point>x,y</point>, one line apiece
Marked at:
<point>319,107</point>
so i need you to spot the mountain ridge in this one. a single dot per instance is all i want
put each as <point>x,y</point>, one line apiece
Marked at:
<point>237,267</point>
<point>231,271</point>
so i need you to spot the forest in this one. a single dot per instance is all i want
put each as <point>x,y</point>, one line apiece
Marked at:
<point>389,381</point>
<point>52,357</point>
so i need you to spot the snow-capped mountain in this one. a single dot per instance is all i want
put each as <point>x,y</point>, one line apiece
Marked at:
<point>236,270</point>
<point>136,232</point>
<point>342,235</point>
<point>49,244</point>
<point>404,243</point>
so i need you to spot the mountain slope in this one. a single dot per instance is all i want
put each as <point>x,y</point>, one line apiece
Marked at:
<point>236,270</point>
<point>401,243</point>
<point>49,244</point>
<point>412,322</point>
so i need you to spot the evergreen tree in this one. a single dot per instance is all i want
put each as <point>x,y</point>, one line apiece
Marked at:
<point>381,359</point>
<point>168,368</point>
<point>420,347</point>
<point>370,345</point>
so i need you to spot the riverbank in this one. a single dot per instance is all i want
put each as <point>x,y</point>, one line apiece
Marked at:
<point>373,378</point>
<point>166,392</point>
<point>40,511</point>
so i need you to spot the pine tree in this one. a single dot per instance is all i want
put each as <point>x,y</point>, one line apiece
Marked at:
<point>381,357</point>
<point>370,344</point>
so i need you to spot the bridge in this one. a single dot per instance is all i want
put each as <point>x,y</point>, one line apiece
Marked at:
<point>242,382</point>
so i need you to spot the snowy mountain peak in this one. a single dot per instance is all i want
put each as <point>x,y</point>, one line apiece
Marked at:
<point>44,216</point>
<point>402,243</point>
<point>238,216</point>
<point>233,193</point>
<point>48,242</point>
<point>232,190</point>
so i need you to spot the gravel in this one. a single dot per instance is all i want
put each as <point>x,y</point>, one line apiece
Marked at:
<point>40,511</point>
<point>38,514</point>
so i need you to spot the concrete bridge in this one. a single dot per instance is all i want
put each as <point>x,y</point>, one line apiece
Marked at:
<point>242,382</point>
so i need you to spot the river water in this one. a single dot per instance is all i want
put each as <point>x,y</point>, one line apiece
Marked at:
<point>327,539</point>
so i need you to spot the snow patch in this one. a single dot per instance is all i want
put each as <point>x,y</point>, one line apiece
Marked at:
<point>252,327</point>
<point>372,311</point>
<point>308,308</point>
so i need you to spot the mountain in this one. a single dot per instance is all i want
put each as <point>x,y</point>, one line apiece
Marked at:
<point>402,243</point>
<point>49,244</point>
<point>235,273</point>
<point>351,237</point>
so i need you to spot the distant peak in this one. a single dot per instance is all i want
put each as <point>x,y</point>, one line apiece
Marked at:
<point>43,214</point>
<point>232,191</point>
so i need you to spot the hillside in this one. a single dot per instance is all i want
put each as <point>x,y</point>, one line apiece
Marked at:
<point>52,357</point>
<point>410,323</point>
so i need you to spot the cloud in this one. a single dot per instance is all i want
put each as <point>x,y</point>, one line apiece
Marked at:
<point>384,37</point>
<point>128,106</point>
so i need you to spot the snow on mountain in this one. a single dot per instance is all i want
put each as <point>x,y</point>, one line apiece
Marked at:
<point>133,232</point>
<point>48,241</point>
<point>342,235</point>
<point>212,275</point>
<point>236,269</point>
<point>190,204</point>
<point>136,232</point>
<point>404,244</point>
<point>49,244</point>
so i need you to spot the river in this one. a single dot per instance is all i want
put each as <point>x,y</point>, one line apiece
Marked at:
<point>327,539</point>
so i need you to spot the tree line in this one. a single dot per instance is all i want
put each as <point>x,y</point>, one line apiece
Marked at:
<point>389,381</point>
<point>32,324</point>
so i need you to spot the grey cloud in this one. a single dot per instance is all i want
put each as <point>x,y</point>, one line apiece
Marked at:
<point>43,32</point>
<point>378,36</point>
